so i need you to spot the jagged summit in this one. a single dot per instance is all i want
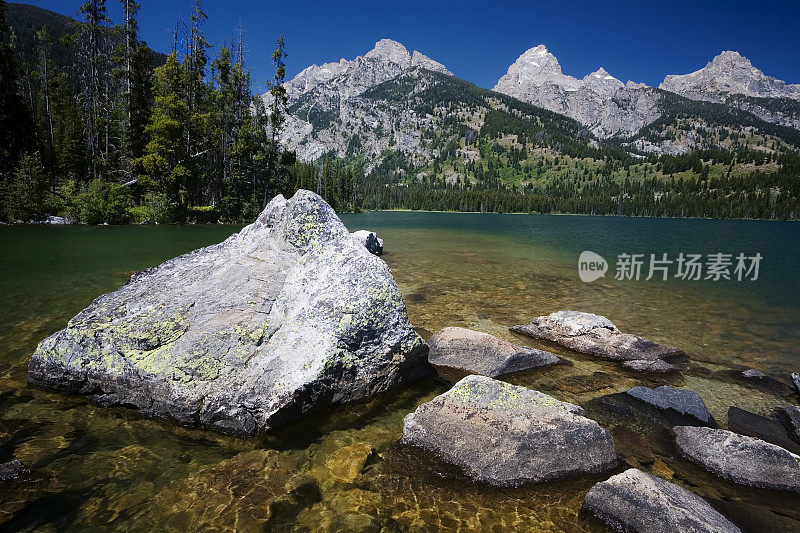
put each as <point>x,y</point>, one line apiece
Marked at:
<point>729,73</point>
<point>386,59</point>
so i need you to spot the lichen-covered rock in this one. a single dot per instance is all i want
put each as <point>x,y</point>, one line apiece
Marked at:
<point>639,502</point>
<point>289,316</point>
<point>657,365</point>
<point>685,402</point>
<point>594,335</point>
<point>480,353</point>
<point>507,435</point>
<point>741,459</point>
<point>369,240</point>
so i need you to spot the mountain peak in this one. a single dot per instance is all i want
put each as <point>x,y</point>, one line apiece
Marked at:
<point>729,73</point>
<point>418,59</point>
<point>391,51</point>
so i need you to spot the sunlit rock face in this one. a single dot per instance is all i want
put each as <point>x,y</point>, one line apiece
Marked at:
<point>288,316</point>
<point>726,74</point>
<point>599,101</point>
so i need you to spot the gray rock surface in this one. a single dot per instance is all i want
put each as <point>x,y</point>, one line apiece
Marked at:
<point>639,502</point>
<point>741,459</point>
<point>768,429</point>
<point>369,240</point>
<point>480,353</point>
<point>685,402</point>
<point>289,316</point>
<point>13,470</point>
<point>796,379</point>
<point>656,365</point>
<point>595,335</point>
<point>507,435</point>
<point>753,374</point>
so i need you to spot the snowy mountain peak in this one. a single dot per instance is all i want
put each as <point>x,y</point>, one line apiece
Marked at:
<point>536,67</point>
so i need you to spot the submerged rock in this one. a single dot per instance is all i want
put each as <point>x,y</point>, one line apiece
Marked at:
<point>685,402</point>
<point>753,374</point>
<point>507,435</point>
<point>288,316</point>
<point>639,502</point>
<point>369,240</point>
<point>761,427</point>
<point>656,365</point>
<point>741,459</point>
<point>13,470</point>
<point>594,335</point>
<point>480,353</point>
<point>793,412</point>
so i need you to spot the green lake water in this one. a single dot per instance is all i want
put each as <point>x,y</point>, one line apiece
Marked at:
<point>344,470</point>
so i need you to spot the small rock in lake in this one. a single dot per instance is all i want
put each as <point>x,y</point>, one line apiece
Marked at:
<point>13,470</point>
<point>594,335</point>
<point>741,459</point>
<point>480,353</point>
<point>369,240</point>
<point>639,502</point>
<point>796,379</point>
<point>507,435</point>
<point>685,402</point>
<point>753,373</point>
<point>641,365</point>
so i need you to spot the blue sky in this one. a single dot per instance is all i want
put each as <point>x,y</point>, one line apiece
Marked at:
<point>641,41</point>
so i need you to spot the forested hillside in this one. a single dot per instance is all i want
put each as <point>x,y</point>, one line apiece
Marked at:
<point>96,126</point>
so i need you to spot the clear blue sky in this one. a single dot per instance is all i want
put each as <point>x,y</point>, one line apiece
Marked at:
<point>641,41</point>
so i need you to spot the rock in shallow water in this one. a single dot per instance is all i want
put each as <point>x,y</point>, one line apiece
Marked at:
<point>656,365</point>
<point>793,412</point>
<point>13,470</point>
<point>480,353</point>
<point>796,379</point>
<point>640,502</point>
<point>594,335</point>
<point>741,459</point>
<point>289,316</point>
<point>369,240</point>
<point>685,402</point>
<point>507,435</point>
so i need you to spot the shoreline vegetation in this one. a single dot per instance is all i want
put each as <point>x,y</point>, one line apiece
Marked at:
<point>98,128</point>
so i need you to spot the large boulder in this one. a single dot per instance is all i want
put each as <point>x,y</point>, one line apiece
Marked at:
<point>642,503</point>
<point>507,435</point>
<point>685,402</point>
<point>474,352</point>
<point>741,459</point>
<point>288,316</point>
<point>369,240</point>
<point>594,335</point>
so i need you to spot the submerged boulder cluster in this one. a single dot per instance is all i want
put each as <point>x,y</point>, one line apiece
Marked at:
<point>294,314</point>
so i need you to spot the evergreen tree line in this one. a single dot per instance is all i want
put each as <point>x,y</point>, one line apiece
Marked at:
<point>111,139</point>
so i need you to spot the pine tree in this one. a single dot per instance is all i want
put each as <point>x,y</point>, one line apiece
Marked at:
<point>277,114</point>
<point>16,123</point>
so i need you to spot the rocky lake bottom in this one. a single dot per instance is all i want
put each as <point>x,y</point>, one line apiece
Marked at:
<point>345,469</point>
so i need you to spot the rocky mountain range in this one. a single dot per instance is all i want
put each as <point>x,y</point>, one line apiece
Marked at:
<point>389,101</point>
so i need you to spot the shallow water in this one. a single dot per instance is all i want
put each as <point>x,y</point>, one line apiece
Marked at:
<point>101,469</point>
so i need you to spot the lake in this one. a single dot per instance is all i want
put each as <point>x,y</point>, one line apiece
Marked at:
<point>109,469</point>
